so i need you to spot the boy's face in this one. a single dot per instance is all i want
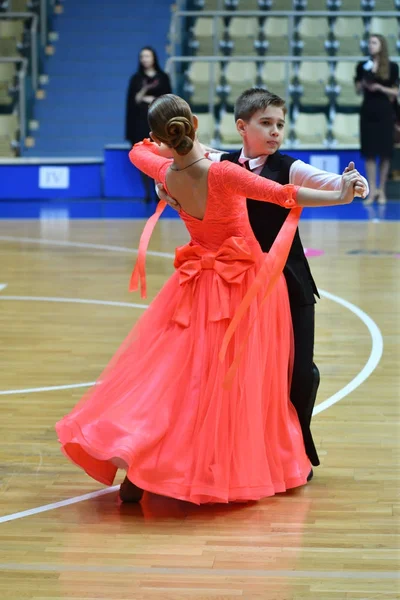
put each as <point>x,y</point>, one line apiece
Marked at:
<point>263,133</point>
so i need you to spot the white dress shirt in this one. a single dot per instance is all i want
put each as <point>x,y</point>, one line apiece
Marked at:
<point>301,173</point>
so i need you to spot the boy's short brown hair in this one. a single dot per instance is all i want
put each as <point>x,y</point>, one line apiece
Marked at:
<point>254,99</point>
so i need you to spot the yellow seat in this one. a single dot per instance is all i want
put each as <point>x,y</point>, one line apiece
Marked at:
<point>275,77</point>
<point>349,32</point>
<point>344,76</point>
<point>345,129</point>
<point>203,34</point>
<point>313,33</point>
<point>228,131</point>
<point>200,75</point>
<point>314,78</point>
<point>243,32</point>
<point>206,127</point>
<point>240,76</point>
<point>8,134</point>
<point>311,129</point>
<point>276,31</point>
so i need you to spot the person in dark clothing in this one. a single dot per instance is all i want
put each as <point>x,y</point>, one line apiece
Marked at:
<point>260,120</point>
<point>378,79</point>
<point>149,82</point>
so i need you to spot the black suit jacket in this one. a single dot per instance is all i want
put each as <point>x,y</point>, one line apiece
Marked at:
<point>266,220</point>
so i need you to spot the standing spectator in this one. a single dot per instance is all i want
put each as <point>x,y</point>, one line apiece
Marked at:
<point>149,82</point>
<point>378,79</point>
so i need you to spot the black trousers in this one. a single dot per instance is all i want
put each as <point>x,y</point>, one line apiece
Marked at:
<point>148,186</point>
<point>305,379</point>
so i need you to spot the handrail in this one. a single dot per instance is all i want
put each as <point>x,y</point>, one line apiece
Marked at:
<point>288,13</point>
<point>43,18</point>
<point>291,14</point>
<point>179,5</point>
<point>34,33</point>
<point>259,59</point>
<point>275,58</point>
<point>22,105</point>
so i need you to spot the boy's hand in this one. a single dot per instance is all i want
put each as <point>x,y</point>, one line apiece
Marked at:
<point>162,194</point>
<point>349,167</point>
<point>360,189</point>
<point>352,185</point>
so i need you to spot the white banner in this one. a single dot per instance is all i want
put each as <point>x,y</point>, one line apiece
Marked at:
<point>54,178</point>
<point>326,162</point>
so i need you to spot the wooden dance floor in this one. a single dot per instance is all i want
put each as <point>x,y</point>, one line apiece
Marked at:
<point>64,309</point>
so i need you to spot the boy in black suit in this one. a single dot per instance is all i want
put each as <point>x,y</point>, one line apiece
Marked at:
<point>260,120</point>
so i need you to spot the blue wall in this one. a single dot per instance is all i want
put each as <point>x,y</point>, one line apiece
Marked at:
<point>115,176</point>
<point>121,179</point>
<point>95,55</point>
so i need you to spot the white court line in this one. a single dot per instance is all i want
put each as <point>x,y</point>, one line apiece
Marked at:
<point>376,353</point>
<point>46,507</point>
<point>48,388</point>
<point>123,249</point>
<point>369,367</point>
<point>73,300</point>
<point>372,362</point>
<point>375,356</point>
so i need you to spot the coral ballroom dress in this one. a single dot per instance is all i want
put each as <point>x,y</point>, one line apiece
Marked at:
<point>195,403</point>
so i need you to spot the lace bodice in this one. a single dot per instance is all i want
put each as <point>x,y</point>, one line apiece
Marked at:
<point>228,187</point>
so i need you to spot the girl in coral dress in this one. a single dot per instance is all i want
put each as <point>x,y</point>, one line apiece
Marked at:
<point>195,404</point>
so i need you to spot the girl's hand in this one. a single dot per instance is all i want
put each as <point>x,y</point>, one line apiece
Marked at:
<point>374,87</point>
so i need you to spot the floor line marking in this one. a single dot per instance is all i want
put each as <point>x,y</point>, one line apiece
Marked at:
<point>292,574</point>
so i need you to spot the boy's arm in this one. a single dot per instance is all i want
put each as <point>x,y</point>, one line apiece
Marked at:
<point>305,175</point>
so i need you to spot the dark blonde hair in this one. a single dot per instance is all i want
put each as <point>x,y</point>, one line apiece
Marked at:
<point>383,57</point>
<point>254,99</point>
<point>171,121</point>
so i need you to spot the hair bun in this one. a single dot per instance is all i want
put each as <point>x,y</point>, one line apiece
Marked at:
<point>180,134</point>
<point>177,128</point>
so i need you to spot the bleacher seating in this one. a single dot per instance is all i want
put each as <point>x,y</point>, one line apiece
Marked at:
<point>322,98</point>
<point>8,127</point>
<point>15,43</point>
<point>319,94</point>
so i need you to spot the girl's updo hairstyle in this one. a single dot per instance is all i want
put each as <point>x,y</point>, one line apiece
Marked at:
<point>171,121</point>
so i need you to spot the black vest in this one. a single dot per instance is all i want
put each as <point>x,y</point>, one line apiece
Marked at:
<point>266,220</point>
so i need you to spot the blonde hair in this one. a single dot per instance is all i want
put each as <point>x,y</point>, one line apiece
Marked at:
<point>383,57</point>
<point>171,121</point>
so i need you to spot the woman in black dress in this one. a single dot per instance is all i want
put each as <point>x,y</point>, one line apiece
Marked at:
<point>378,79</point>
<point>149,82</point>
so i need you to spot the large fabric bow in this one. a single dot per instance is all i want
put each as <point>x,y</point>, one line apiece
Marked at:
<point>230,262</point>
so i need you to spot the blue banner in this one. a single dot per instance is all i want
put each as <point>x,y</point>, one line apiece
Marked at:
<point>122,179</point>
<point>36,179</point>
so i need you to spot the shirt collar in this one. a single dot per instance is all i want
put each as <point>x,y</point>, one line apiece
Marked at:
<point>254,163</point>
